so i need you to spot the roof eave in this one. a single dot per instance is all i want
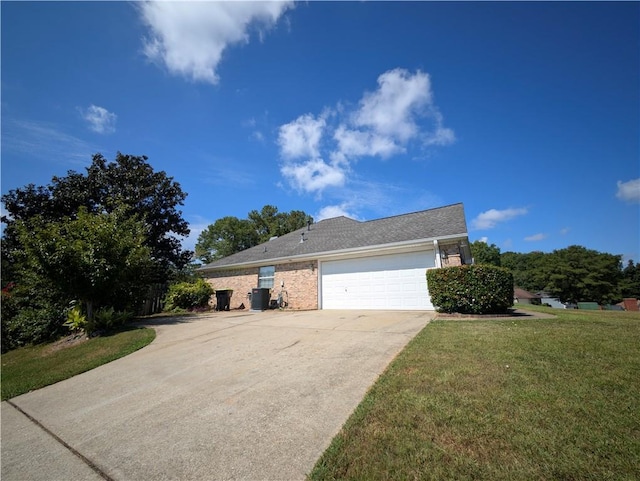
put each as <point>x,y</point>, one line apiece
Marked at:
<point>337,254</point>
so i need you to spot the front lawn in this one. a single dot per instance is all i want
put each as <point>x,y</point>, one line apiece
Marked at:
<point>502,400</point>
<point>29,368</point>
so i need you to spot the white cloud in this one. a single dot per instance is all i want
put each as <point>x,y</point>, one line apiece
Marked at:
<point>189,38</point>
<point>535,237</point>
<point>441,135</point>
<point>391,109</point>
<point>484,239</point>
<point>565,230</point>
<point>629,191</point>
<point>314,175</point>
<point>331,211</point>
<point>301,138</point>
<point>384,123</point>
<point>100,119</point>
<point>489,219</point>
<point>355,143</point>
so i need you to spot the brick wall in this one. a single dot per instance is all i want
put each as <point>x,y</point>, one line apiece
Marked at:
<point>300,281</point>
<point>241,281</point>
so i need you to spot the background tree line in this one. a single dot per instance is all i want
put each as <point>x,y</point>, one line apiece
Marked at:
<point>572,274</point>
<point>229,235</point>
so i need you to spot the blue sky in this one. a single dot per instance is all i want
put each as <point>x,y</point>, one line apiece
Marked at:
<point>528,113</point>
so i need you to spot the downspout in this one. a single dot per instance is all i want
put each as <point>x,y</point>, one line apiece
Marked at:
<point>319,283</point>
<point>438,258</point>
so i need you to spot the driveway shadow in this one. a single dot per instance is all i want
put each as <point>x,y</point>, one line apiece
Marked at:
<point>510,314</point>
<point>166,320</point>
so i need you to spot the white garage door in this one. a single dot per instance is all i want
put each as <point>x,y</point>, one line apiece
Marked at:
<point>383,282</point>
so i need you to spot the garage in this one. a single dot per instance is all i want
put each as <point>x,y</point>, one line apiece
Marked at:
<point>396,281</point>
<point>342,263</point>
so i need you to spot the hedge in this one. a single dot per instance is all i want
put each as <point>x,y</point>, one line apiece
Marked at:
<point>471,289</point>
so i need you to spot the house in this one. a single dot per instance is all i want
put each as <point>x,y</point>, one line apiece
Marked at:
<point>341,263</point>
<point>551,301</point>
<point>520,296</point>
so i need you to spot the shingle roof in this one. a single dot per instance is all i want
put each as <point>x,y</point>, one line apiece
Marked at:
<point>519,293</point>
<point>342,233</point>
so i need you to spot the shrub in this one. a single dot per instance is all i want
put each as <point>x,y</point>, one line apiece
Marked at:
<point>76,320</point>
<point>30,316</point>
<point>31,326</point>
<point>108,318</point>
<point>104,319</point>
<point>188,295</point>
<point>474,289</point>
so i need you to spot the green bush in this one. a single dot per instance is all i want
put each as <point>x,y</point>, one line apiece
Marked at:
<point>31,326</point>
<point>76,320</point>
<point>188,295</point>
<point>30,316</point>
<point>474,289</point>
<point>108,318</point>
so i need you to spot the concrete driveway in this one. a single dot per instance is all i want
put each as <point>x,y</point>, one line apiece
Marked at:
<point>234,395</point>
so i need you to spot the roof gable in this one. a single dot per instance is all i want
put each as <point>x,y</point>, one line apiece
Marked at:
<point>342,234</point>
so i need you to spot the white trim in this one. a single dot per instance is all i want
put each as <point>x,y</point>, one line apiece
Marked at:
<point>319,284</point>
<point>437,249</point>
<point>380,249</point>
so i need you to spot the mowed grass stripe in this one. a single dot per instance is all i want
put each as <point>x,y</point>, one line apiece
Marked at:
<point>502,400</point>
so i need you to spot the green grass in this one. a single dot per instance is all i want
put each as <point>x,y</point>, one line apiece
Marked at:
<point>531,399</point>
<point>30,368</point>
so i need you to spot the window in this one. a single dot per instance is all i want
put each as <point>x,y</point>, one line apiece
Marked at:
<point>266,276</point>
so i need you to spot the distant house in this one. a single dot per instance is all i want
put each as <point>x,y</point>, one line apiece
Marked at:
<point>554,302</point>
<point>520,296</point>
<point>342,263</point>
<point>631,304</point>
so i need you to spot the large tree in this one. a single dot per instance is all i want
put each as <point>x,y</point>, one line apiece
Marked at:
<point>270,223</point>
<point>224,237</point>
<point>71,240</point>
<point>229,235</point>
<point>130,184</point>
<point>484,253</point>
<point>530,271</point>
<point>572,274</point>
<point>581,274</point>
<point>630,283</point>
<point>97,259</point>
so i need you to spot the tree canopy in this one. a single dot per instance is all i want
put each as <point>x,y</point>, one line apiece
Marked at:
<point>101,237</point>
<point>224,237</point>
<point>130,184</point>
<point>572,274</point>
<point>229,235</point>
<point>93,258</point>
<point>484,253</point>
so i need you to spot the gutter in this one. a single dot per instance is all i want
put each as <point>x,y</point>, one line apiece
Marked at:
<point>380,249</point>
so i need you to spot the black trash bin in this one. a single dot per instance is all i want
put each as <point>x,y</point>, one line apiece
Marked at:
<point>260,298</point>
<point>223,299</point>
